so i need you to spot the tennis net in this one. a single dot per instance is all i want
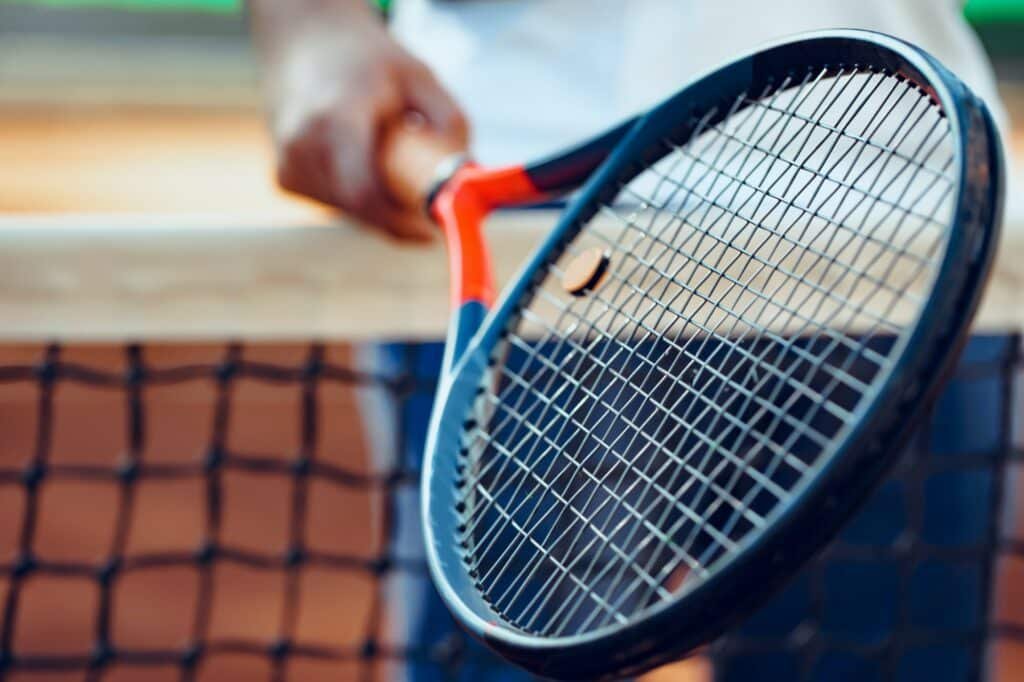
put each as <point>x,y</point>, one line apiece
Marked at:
<point>248,511</point>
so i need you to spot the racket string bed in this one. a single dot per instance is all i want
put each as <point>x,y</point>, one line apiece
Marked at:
<point>653,424</point>
<point>904,540</point>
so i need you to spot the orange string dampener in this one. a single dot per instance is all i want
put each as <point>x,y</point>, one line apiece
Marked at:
<point>586,272</point>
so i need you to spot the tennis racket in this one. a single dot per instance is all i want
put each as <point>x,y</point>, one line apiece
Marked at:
<point>714,355</point>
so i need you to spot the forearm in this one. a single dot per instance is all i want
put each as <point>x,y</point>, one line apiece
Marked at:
<point>275,23</point>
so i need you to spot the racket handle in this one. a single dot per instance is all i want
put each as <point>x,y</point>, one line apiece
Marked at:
<point>412,162</point>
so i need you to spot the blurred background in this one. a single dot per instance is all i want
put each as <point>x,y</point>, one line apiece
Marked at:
<point>132,106</point>
<point>153,106</point>
<point>138,104</point>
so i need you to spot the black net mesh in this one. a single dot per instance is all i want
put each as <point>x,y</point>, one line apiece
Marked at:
<point>117,390</point>
<point>213,513</point>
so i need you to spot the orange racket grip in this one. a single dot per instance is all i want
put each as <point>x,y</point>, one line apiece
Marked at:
<point>413,160</point>
<point>419,166</point>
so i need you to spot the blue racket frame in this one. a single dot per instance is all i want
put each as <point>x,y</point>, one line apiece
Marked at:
<point>856,463</point>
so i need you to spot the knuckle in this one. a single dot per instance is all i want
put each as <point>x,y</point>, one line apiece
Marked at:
<point>286,178</point>
<point>356,197</point>
<point>416,69</point>
<point>377,81</point>
<point>289,173</point>
<point>457,120</point>
<point>291,154</point>
<point>302,142</point>
<point>319,126</point>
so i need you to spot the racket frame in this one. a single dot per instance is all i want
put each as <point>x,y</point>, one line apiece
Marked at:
<point>848,473</point>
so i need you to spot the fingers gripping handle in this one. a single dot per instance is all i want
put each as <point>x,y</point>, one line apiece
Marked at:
<point>414,160</point>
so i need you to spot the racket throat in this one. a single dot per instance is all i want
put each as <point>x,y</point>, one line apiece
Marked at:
<point>460,207</point>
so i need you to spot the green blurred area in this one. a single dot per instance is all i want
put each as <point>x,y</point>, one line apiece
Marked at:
<point>978,11</point>
<point>995,11</point>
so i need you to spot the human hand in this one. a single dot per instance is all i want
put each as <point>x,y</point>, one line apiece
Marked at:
<point>336,83</point>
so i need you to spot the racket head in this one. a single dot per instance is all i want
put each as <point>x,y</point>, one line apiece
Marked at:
<point>581,631</point>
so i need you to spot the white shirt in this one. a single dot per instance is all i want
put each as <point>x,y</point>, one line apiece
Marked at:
<point>537,75</point>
